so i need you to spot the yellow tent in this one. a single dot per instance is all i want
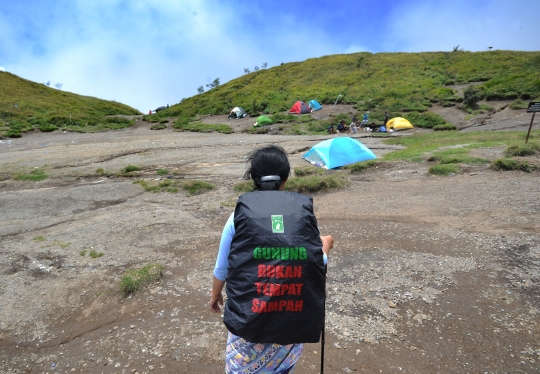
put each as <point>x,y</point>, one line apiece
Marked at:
<point>398,123</point>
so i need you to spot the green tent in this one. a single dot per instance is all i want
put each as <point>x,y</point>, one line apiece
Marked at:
<point>263,121</point>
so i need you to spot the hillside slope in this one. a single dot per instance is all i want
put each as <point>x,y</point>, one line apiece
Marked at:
<point>25,105</point>
<point>393,82</point>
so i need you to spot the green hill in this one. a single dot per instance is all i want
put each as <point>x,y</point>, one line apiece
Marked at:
<point>26,105</point>
<point>395,82</point>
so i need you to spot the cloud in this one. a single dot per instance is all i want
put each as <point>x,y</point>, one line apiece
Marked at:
<point>473,25</point>
<point>147,54</point>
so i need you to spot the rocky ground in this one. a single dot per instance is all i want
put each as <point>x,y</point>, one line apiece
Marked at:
<point>429,274</point>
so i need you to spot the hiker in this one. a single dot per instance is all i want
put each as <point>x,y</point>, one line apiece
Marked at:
<point>331,129</point>
<point>354,119</point>
<point>385,118</point>
<point>271,259</point>
<point>352,128</point>
<point>342,127</point>
<point>365,119</point>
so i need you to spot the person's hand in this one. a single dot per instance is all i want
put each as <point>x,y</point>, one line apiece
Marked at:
<point>216,303</point>
<point>328,243</point>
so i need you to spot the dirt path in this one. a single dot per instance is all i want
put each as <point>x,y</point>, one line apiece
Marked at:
<point>429,274</point>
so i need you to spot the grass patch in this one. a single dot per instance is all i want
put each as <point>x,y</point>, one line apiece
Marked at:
<point>519,104</point>
<point>34,176</point>
<point>230,202</point>
<point>462,159</point>
<point>244,186</point>
<point>162,171</point>
<point>159,126</point>
<point>58,243</point>
<point>418,145</point>
<point>38,238</point>
<point>100,171</point>
<point>359,167</point>
<point>181,125</point>
<point>521,150</point>
<point>167,185</point>
<point>130,168</point>
<point>95,254</point>
<point>136,279</point>
<point>506,164</point>
<point>195,187</point>
<point>83,252</point>
<point>317,183</point>
<point>447,127</point>
<point>444,169</point>
<point>302,171</point>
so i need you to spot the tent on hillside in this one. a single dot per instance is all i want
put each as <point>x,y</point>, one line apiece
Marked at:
<point>300,108</point>
<point>333,153</point>
<point>237,112</point>
<point>398,123</point>
<point>314,105</point>
<point>263,121</point>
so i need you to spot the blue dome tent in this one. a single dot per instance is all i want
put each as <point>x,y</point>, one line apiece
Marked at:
<point>333,153</point>
<point>314,105</point>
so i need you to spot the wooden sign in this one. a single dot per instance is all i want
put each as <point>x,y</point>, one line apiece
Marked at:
<point>534,106</point>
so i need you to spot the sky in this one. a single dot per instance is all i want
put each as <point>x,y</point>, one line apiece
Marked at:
<point>149,53</point>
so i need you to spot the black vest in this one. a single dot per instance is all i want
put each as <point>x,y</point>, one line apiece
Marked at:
<point>275,280</point>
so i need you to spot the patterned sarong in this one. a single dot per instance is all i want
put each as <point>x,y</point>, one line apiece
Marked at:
<point>243,357</point>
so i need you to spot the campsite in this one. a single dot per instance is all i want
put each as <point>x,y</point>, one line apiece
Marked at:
<point>437,248</point>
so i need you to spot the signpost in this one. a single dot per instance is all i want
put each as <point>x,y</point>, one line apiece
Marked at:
<point>534,106</point>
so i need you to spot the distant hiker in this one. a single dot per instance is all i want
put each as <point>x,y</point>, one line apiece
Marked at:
<point>365,119</point>
<point>271,260</point>
<point>331,129</point>
<point>385,118</point>
<point>342,127</point>
<point>150,111</point>
<point>354,119</point>
<point>352,128</point>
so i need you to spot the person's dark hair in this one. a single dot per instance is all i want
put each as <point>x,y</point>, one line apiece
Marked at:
<point>268,161</point>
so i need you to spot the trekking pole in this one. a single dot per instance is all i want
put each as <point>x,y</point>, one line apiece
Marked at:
<point>324,321</point>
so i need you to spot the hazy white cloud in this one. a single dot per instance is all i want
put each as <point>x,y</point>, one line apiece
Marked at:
<point>146,53</point>
<point>473,25</point>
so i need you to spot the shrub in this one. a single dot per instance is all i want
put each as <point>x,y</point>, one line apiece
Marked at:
<point>100,171</point>
<point>444,169</point>
<point>446,127</point>
<point>47,128</point>
<point>130,168</point>
<point>160,126</point>
<point>13,134</point>
<point>426,120</point>
<point>360,166</point>
<point>317,183</point>
<point>521,150</point>
<point>302,171</point>
<point>134,280</point>
<point>194,187</point>
<point>95,254</point>
<point>511,164</point>
<point>471,96</point>
<point>519,104</point>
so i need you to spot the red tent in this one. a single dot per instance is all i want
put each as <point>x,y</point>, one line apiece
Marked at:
<point>300,108</point>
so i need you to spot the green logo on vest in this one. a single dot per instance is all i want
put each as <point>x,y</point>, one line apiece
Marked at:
<point>277,225</point>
